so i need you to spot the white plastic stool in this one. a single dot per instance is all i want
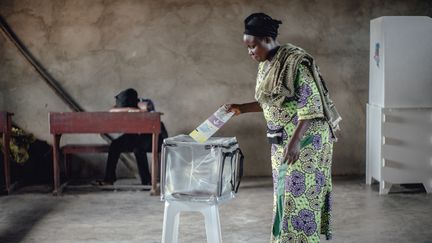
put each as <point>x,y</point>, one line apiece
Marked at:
<point>172,218</point>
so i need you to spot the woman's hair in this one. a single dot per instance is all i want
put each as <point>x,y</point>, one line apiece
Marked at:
<point>261,25</point>
<point>127,98</point>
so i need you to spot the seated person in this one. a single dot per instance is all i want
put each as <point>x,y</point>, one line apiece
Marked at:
<point>139,144</point>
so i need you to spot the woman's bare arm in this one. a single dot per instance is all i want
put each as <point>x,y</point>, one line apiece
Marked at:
<point>244,108</point>
<point>124,109</point>
<point>292,150</point>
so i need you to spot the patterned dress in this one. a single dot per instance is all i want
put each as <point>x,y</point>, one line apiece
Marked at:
<point>308,185</point>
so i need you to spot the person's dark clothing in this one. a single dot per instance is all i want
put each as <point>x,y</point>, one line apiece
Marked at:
<point>140,145</point>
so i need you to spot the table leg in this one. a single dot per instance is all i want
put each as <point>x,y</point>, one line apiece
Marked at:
<point>155,167</point>
<point>6,161</point>
<point>56,163</point>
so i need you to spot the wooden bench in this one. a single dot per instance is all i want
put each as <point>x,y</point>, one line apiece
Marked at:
<point>5,130</point>
<point>69,149</point>
<point>102,122</point>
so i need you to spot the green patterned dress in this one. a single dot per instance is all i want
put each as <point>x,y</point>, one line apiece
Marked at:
<point>308,185</point>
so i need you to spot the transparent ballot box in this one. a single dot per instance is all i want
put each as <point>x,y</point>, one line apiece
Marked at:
<point>192,171</point>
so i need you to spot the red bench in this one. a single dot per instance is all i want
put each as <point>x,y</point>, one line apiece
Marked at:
<point>101,122</point>
<point>5,130</point>
<point>68,149</point>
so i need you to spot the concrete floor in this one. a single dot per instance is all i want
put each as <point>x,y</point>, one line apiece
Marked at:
<point>129,215</point>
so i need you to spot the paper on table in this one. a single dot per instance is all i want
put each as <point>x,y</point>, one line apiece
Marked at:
<point>211,125</point>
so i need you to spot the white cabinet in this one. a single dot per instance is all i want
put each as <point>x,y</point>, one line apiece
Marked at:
<point>399,113</point>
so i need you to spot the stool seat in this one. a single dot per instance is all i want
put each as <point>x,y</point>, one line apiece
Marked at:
<point>85,148</point>
<point>172,217</point>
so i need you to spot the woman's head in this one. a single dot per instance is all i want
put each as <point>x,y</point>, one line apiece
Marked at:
<point>127,98</point>
<point>260,35</point>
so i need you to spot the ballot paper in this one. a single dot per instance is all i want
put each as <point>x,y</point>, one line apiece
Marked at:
<point>211,125</point>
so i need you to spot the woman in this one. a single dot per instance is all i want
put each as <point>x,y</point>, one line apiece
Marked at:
<point>290,92</point>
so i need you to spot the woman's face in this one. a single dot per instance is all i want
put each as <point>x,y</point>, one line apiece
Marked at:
<point>258,48</point>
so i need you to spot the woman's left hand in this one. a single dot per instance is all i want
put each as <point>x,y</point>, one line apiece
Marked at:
<point>292,151</point>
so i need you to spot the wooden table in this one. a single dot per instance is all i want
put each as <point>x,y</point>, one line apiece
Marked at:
<point>5,130</point>
<point>103,122</point>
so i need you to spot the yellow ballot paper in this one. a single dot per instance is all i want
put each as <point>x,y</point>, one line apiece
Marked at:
<point>211,125</point>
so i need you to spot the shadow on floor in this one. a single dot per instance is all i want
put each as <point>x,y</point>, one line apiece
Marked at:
<point>23,219</point>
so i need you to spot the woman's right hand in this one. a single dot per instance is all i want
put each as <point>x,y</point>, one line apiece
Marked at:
<point>236,108</point>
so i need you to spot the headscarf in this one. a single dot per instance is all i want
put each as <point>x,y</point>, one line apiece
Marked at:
<point>261,25</point>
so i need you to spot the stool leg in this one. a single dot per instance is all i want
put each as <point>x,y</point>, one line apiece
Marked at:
<point>170,223</point>
<point>212,224</point>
